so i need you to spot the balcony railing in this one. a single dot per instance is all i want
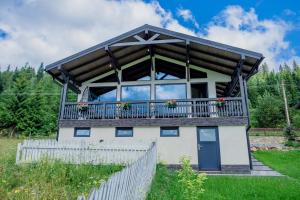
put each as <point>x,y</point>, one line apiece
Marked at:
<point>205,107</point>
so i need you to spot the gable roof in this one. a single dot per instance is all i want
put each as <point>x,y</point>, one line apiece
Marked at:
<point>136,43</point>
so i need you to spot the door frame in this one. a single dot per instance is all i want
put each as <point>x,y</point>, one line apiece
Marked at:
<point>217,143</point>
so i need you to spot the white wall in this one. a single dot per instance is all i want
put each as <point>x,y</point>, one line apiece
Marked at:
<point>233,142</point>
<point>170,149</point>
<point>233,145</point>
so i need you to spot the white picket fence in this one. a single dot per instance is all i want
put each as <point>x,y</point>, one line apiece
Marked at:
<point>131,183</point>
<point>109,152</point>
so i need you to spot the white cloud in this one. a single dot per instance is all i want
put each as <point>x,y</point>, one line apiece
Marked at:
<point>187,15</point>
<point>237,27</point>
<point>45,31</point>
<point>289,12</point>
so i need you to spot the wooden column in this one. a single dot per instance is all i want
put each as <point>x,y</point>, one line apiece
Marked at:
<point>246,100</point>
<point>242,91</point>
<point>248,116</point>
<point>63,97</point>
<point>152,79</point>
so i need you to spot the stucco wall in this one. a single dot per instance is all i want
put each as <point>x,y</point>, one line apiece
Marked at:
<point>233,143</point>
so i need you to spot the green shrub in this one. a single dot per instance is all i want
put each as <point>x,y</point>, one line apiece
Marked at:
<point>296,120</point>
<point>289,133</point>
<point>190,182</point>
<point>294,144</point>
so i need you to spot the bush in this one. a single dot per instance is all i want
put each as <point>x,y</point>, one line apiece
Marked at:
<point>289,133</point>
<point>190,182</point>
<point>296,120</point>
<point>294,144</point>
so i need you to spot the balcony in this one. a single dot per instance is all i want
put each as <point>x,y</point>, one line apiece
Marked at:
<point>155,109</point>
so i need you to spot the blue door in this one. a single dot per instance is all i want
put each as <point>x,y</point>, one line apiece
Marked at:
<point>208,148</point>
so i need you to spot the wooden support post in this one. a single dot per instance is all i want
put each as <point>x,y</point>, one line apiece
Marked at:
<point>113,62</point>
<point>248,116</point>
<point>63,98</point>
<point>242,91</point>
<point>187,60</point>
<point>247,101</point>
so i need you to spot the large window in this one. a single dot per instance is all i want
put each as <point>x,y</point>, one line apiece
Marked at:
<point>168,71</point>
<point>140,71</point>
<point>82,132</point>
<point>124,132</point>
<point>170,91</point>
<point>103,94</point>
<point>197,74</point>
<point>140,92</point>
<point>109,78</point>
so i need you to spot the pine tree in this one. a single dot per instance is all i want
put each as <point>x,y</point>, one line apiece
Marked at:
<point>40,72</point>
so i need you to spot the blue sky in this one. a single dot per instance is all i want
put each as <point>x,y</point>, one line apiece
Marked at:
<point>35,31</point>
<point>205,10</point>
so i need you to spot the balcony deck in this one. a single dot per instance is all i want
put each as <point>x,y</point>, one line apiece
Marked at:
<point>205,111</point>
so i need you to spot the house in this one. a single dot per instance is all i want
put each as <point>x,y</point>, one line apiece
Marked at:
<point>187,93</point>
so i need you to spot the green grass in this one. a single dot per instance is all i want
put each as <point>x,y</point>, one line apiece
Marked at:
<point>165,185</point>
<point>286,162</point>
<point>46,180</point>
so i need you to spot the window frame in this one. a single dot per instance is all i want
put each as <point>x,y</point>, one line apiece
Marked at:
<point>169,128</point>
<point>82,128</point>
<point>124,128</point>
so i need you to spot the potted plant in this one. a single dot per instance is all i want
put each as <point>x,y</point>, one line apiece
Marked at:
<point>82,106</point>
<point>220,102</point>
<point>171,103</point>
<point>125,106</point>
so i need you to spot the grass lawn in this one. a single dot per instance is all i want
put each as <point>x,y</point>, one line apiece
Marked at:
<point>229,187</point>
<point>46,180</point>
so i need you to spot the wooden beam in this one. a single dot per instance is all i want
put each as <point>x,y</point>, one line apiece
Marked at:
<point>153,37</point>
<point>113,62</point>
<point>67,74</point>
<point>235,77</point>
<point>112,59</point>
<point>187,60</point>
<point>69,79</point>
<point>242,91</point>
<point>150,47</point>
<point>147,42</point>
<point>139,38</point>
<point>106,63</point>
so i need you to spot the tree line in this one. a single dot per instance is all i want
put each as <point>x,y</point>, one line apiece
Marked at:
<point>29,99</point>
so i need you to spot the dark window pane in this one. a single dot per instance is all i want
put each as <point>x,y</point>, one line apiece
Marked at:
<point>103,94</point>
<point>140,71</point>
<point>199,90</point>
<point>169,131</point>
<point>141,92</point>
<point>167,71</point>
<point>82,132</point>
<point>109,78</point>
<point>197,74</point>
<point>170,91</point>
<point>124,132</point>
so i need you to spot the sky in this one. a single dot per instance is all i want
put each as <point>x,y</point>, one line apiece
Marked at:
<point>35,31</point>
